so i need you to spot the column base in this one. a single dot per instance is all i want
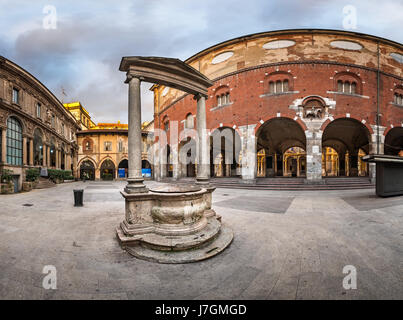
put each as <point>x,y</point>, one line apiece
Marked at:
<point>202,181</point>
<point>248,181</point>
<point>135,185</point>
<point>314,181</point>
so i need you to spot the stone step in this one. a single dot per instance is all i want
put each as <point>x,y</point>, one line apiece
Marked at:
<point>44,183</point>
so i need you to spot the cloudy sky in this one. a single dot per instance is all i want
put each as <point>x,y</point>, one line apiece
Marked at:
<point>82,54</point>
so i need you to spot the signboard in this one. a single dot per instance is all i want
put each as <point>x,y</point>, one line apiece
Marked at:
<point>44,172</point>
<point>146,173</point>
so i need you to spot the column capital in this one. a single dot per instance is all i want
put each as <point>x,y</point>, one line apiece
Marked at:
<point>130,76</point>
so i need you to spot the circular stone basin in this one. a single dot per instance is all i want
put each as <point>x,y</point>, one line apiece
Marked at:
<point>175,188</point>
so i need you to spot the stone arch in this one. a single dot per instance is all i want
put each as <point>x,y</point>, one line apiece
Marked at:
<point>276,136</point>
<point>227,142</point>
<point>394,141</point>
<point>107,169</point>
<point>265,120</point>
<point>352,135</point>
<point>353,117</point>
<point>20,120</point>
<point>87,168</point>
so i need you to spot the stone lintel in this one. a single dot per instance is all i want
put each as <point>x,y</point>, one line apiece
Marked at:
<point>169,72</point>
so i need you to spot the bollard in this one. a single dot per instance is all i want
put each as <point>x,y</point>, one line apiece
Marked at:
<point>78,197</point>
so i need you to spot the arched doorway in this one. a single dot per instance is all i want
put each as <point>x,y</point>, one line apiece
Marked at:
<point>225,149</point>
<point>394,141</point>
<point>330,162</point>
<point>38,147</point>
<point>52,153</point>
<point>146,169</point>
<point>294,162</point>
<point>284,143</point>
<point>347,137</point>
<point>107,170</point>
<point>87,170</point>
<point>123,168</point>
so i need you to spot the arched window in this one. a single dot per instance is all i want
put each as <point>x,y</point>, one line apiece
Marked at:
<point>285,86</point>
<point>189,121</point>
<point>348,83</point>
<point>87,144</point>
<point>353,88</point>
<point>222,95</point>
<point>14,142</point>
<point>279,86</point>
<point>38,148</point>
<point>398,99</point>
<point>272,88</point>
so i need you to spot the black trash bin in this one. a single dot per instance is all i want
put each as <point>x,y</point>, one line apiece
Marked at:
<point>78,197</point>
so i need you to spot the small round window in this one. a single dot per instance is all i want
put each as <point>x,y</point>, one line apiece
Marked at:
<point>222,57</point>
<point>278,44</point>
<point>397,56</point>
<point>347,45</point>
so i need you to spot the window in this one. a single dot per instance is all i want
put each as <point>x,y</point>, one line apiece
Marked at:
<point>107,146</point>
<point>87,144</point>
<point>16,96</point>
<point>38,148</point>
<point>189,124</point>
<point>166,125</point>
<point>62,128</point>
<point>279,86</point>
<point>223,99</point>
<point>347,87</point>
<point>120,146</point>
<point>14,142</point>
<point>53,122</point>
<point>38,110</point>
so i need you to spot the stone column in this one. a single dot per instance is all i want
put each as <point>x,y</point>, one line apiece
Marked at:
<point>57,159</point>
<point>31,152</point>
<point>24,151</point>
<point>353,163</point>
<point>135,180</point>
<point>203,156</point>
<point>3,145</point>
<point>373,149</point>
<point>342,163</point>
<point>43,155</point>
<point>248,151</point>
<point>313,155</point>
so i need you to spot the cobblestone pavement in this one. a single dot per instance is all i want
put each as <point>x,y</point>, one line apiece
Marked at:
<point>287,245</point>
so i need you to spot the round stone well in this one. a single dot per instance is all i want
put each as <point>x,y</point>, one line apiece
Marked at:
<point>174,224</point>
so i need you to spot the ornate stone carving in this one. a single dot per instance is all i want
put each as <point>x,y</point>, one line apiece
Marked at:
<point>313,109</point>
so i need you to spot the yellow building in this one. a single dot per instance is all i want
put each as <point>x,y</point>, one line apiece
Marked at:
<point>81,114</point>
